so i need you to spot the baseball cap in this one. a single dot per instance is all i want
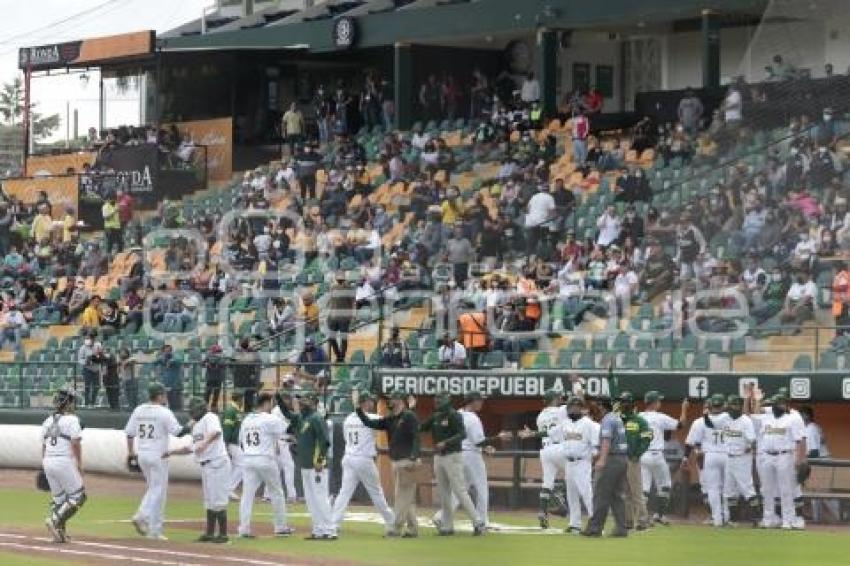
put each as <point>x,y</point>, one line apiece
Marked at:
<point>473,396</point>
<point>155,389</point>
<point>575,400</point>
<point>734,400</point>
<point>550,395</point>
<point>717,400</point>
<point>626,397</point>
<point>398,394</point>
<point>652,397</point>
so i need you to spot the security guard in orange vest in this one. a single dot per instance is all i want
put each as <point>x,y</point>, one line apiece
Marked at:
<point>473,334</point>
<point>841,299</point>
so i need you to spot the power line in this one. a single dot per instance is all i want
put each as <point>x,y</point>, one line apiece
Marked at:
<point>59,22</point>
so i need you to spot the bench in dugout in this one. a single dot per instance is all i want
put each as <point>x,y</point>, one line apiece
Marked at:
<point>827,491</point>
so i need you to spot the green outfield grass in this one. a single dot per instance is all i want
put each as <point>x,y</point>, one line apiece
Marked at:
<point>363,543</point>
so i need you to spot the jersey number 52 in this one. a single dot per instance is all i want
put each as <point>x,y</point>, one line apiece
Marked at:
<point>146,431</point>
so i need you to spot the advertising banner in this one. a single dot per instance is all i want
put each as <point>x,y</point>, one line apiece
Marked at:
<point>675,386</point>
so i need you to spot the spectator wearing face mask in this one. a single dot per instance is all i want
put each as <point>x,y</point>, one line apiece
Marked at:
<point>608,225</point>
<point>800,301</point>
<point>822,169</point>
<point>690,244</point>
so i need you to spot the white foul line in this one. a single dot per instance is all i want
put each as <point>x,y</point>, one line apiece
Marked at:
<point>139,549</point>
<point>66,550</point>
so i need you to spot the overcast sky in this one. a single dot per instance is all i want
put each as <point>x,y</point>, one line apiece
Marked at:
<point>39,22</point>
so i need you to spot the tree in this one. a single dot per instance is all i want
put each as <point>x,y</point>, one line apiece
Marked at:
<point>12,110</point>
<point>12,102</point>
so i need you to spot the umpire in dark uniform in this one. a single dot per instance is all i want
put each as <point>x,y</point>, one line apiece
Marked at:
<point>610,474</point>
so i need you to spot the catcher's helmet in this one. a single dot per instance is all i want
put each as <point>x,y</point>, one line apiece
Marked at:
<point>63,398</point>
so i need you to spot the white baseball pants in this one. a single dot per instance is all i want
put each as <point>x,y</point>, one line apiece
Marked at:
<point>738,481</point>
<point>552,462</point>
<point>152,508</point>
<point>714,471</point>
<point>579,489</point>
<point>255,472</point>
<point>654,470</point>
<point>63,477</point>
<point>356,470</point>
<point>235,453</point>
<point>215,484</point>
<point>315,486</point>
<point>778,479</point>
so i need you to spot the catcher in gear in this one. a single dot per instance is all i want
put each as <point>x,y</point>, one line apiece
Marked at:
<point>61,452</point>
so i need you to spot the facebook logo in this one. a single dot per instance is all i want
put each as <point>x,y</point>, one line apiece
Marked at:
<point>698,387</point>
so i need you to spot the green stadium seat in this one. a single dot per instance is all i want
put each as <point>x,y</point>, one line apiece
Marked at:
<point>700,361</point>
<point>541,361</point>
<point>492,360</point>
<point>803,362</point>
<point>828,360</point>
<point>564,360</point>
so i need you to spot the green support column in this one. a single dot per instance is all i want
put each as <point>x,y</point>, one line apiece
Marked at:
<point>403,82</point>
<point>547,70</point>
<point>710,49</point>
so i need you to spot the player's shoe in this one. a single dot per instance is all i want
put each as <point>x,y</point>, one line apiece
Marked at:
<point>205,538</point>
<point>798,524</point>
<point>55,531</point>
<point>221,539</point>
<point>391,534</point>
<point>479,529</point>
<point>543,519</point>
<point>445,533</point>
<point>438,523</point>
<point>330,537</point>
<point>140,526</point>
<point>661,520</point>
<point>766,524</point>
<point>158,537</point>
<point>247,536</point>
<point>593,534</point>
<point>575,531</point>
<point>284,532</point>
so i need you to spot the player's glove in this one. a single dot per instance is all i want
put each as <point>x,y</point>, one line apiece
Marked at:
<point>41,482</point>
<point>133,464</point>
<point>804,470</point>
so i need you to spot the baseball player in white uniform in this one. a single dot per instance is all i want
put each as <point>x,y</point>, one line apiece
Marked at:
<point>653,464</point>
<point>473,448</point>
<point>578,438</point>
<point>358,465</point>
<point>816,447</point>
<point>284,460</point>
<point>740,437</point>
<point>259,437</point>
<point>211,455</point>
<point>62,461</point>
<point>148,432</point>
<point>781,447</point>
<point>709,439</point>
<point>551,453</point>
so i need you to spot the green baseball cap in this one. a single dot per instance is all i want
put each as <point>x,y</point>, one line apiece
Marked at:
<point>473,396</point>
<point>551,394</point>
<point>717,400</point>
<point>734,400</point>
<point>575,400</point>
<point>626,397</point>
<point>155,389</point>
<point>652,397</point>
<point>366,396</point>
<point>781,395</point>
<point>398,394</point>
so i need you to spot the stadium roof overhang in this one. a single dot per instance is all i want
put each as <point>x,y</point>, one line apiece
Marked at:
<point>430,21</point>
<point>110,50</point>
